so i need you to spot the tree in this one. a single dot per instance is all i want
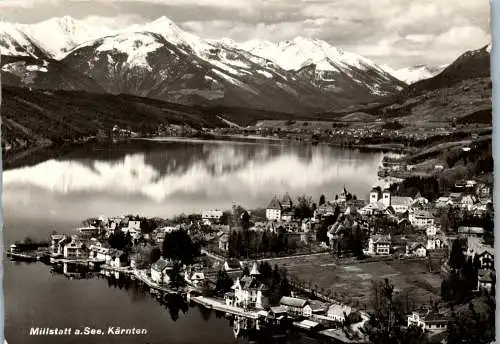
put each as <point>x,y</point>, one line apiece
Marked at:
<point>176,279</point>
<point>178,246</point>
<point>224,282</point>
<point>445,222</point>
<point>457,258</point>
<point>154,255</point>
<point>303,208</point>
<point>322,200</point>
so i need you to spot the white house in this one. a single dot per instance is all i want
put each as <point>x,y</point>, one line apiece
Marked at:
<point>485,280</point>
<point>467,202</point>
<point>379,244</point>
<point>194,278</point>
<point>273,210</point>
<point>400,204</point>
<point>428,321</point>
<point>74,249</point>
<point>248,291</point>
<point>431,231</point>
<point>134,225</point>
<point>416,249</point>
<point>57,244</point>
<point>232,264</point>
<point>421,218</point>
<point>213,214</point>
<point>296,306</point>
<point>338,312</point>
<point>159,271</point>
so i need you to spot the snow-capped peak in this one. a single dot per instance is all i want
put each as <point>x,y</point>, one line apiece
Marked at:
<point>57,36</point>
<point>410,75</point>
<point>302,51</point>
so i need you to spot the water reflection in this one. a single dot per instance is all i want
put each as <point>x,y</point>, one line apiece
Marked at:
<point>166,178</point>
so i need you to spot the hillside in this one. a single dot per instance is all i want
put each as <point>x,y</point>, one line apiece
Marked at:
<point>461,92</point>
<point>33,118</point>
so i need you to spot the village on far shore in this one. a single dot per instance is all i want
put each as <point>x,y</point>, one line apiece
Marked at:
<point>248,262</point>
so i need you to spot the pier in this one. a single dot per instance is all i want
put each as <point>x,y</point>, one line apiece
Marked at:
<point>219,306</point>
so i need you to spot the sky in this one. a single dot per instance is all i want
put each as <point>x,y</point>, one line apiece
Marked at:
<point>396,33</point>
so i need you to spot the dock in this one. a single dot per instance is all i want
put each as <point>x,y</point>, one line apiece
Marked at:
<point>220,306</point>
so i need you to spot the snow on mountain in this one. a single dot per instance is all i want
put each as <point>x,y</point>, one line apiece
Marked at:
<point>413,74</point>
<point>301,51</point>
<point>57,36</point>
<point>14,42</point>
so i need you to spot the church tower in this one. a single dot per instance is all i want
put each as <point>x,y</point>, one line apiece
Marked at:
<point>386,197</point>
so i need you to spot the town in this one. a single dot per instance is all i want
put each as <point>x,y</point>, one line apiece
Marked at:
<point>405,256</point>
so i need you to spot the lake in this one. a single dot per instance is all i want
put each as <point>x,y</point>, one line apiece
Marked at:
<point>158,177</point>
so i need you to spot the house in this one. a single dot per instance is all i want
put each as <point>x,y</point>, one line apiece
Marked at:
<point>324,210</point>
<point>379,244</point>
<point>57,242</point>
<point>416,249</point>
<point>338,312</point>
<point>286,202</point>
<point>277,314</point>
<point>232,264</point>
<point>116,258</point>
<point>483,190</point>
<point>296,306</point>
<point>486,280</point>
<point>401,204</point>
<point>467,202</point>
<point>75,249</point>
<point>428,321</point>
<point>431,231</point>
<point>248,291</point>
<point>306,225</point>
<point>273,210</point>
<point>487,259</point>
<point>195,278</point>
<point>134,225</point>
<point>375,194</point>
<point>435,242</point>
<point>224,242</point>
<point>287,216</point>
<point>214,214</point>
<point>421,218</point>
<point>159,271</point>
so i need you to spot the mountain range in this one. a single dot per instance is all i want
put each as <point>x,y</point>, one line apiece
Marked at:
<point>411,75</point>
<point>159,60</point>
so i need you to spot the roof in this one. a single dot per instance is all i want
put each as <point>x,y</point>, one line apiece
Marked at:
<point>293,302</point>
<point>278,309</point>
<point>423,214</point>
<point>160,265</point>
<point>250,282</point>
<point>233,263</point>
<point>470,230</point>
<point>286,199</point>
<point>339,310</point>
<point>406,201</point>
<point>274,204</point>
<point>254,271</point>
<point>381,239</point>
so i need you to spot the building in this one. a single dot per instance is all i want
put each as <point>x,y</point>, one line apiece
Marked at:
<point>428,321</point>
<point>195,278</point>
<point>159,271</point>
<point>487,259</point>
<point>416,249</point>
<point>287,216</point>
<point>232,264</point>
<point>248,291</point>
<point>273,210</point>
<point>116,258</point>
<point>57,242</point>
<point>375,194</point>
<point>339,312</point>
<point>379,244</point>
<point>214,214</point>
<point>486,280</point>
<point>467,202</point>
<point>224,242</point>
<point>296,306</point>
<point>75,250</point>
<point>400,204</point>
<point>324,210</point>
<point>421,218</point>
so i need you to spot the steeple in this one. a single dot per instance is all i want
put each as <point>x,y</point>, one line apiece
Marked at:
<point>255,271</point>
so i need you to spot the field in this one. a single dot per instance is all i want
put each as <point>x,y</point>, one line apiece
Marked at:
<point>352,283</point>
